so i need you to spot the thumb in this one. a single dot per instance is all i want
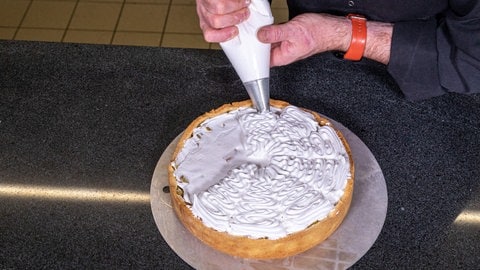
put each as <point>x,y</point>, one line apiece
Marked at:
<point>273,33</point>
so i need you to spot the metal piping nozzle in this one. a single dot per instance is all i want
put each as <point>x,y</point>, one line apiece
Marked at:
<point>259,92</point>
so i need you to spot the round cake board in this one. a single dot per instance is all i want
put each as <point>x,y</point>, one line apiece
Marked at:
<point>342,249</point>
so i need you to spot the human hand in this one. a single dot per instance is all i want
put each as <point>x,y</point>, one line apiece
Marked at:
<point>311,33</point>
<point>218,18</point>
<point>305,35</point>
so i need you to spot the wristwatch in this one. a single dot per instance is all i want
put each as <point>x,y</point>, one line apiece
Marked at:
<point>359,37</point>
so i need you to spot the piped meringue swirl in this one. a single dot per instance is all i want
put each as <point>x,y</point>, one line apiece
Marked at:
<point>262,175</point>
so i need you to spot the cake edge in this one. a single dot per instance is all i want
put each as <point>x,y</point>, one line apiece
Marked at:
<point>263,248</point>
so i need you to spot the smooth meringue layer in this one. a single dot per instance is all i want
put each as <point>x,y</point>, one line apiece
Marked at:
<point>262,175</point>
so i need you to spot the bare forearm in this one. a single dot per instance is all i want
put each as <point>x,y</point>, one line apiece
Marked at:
<point>378,43</point>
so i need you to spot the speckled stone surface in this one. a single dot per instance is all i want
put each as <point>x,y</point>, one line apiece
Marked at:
<point>99,117</point>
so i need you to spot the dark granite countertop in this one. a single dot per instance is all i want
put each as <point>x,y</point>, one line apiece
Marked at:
<point>97,118</point>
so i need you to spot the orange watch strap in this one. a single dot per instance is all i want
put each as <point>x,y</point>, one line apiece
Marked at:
<point>359,37</point>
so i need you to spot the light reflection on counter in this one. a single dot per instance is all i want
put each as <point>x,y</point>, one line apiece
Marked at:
<point>73,194</point>
<point>468,217</point>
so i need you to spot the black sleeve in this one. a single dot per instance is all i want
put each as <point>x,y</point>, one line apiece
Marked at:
<point>438,55</point>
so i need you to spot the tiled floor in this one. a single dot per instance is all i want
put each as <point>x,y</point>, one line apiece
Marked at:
<point>165,23</point>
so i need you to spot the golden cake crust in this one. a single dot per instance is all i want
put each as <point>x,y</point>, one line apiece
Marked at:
<point>246,247</point>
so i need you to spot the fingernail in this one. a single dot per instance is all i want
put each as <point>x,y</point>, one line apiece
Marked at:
<point>242,16</point>
<point>233,33</point>
<point>261,34</point>
<point>246,14</point>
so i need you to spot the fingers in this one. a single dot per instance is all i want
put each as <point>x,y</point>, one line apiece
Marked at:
<point>280,54</point>
<point>222,20</point>
<point>275,33</point>
<point>283,50</point>
<point>219,35</point>
<point>291,41</point>
<point>218,18</point>
<point>223,7</point>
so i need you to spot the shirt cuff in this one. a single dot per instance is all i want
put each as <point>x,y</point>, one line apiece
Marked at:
<point>413,59</point>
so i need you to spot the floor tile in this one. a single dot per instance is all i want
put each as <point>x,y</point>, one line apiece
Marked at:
<point>150,1</point>
<point>137,39</point>
<point>184,41</point>
<point>184,2</point>
<point>110,1</point>
<point>85,36</point>
<point>279,4</point>
<point>49,14</point>
<point>280,15</point>
<point>183,19</point>
<point>95,16</point>
<point>12,12</point>
<point>215,46</point>
<point>143,17</point>
<point>126,22</point>
<point>7,32</point>
<point>53,35</point>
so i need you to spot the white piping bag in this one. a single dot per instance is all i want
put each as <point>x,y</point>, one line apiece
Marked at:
<point>250,57</point>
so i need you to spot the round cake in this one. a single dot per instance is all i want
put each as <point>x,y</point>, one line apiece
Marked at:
<point>261,185</point>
